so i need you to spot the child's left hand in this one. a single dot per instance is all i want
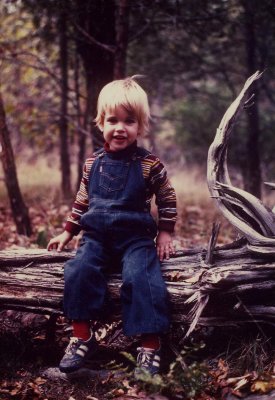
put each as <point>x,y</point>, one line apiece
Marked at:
<point>165,245</point>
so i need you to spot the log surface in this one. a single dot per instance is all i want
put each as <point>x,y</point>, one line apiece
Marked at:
<point>237,288</point>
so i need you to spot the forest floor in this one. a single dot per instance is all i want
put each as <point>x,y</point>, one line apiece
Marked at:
<point>214,364</point>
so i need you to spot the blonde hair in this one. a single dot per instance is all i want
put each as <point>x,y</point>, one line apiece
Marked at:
<point>126,93</point>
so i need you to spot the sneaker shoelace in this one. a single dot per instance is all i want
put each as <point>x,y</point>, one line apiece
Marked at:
<point>72,345</point>
<point>145,357</point>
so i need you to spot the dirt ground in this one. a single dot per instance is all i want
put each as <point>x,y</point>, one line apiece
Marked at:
<point>213,364</point>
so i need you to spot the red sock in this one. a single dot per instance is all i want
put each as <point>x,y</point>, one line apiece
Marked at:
<point>81,329</point>
<point>150,341</point>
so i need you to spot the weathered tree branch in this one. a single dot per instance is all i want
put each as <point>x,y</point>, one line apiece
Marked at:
<point>243,210</point>
<point>94,41</point>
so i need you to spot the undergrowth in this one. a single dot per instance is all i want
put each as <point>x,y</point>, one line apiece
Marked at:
<point>208,365</point>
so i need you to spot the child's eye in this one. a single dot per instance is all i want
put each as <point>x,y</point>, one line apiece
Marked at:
<point>130,120</point>
<point>112,120</point>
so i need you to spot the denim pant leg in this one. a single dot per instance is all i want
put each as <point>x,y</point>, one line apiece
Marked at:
<point>143,293</point>
<point>85,282</point>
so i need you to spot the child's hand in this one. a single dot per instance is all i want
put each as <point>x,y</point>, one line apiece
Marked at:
<point>77,240</point>
<point>60,241</point>
<point>165,245</point>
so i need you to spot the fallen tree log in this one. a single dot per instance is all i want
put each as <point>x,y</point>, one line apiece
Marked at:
<point>236,289</point>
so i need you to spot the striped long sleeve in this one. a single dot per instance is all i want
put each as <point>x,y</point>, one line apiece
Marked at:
<point>159,185</point>
<point>81,202</point>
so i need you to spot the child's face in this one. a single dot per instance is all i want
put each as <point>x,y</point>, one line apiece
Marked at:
<point>120,128</point>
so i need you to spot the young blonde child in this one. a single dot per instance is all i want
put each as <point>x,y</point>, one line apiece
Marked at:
<point>112,206</point>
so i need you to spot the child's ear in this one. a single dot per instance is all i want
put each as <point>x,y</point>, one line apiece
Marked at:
<point>100,126</point>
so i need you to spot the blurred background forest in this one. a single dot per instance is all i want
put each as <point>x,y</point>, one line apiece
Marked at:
<point>195,56</point>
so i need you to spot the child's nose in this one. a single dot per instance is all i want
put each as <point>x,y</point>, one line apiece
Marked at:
<point>120,126</point>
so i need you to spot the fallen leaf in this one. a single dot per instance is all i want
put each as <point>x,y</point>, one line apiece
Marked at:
<point>243,382</point>
<point>116,392</point>
<point>263,386</point>
<point>40,381</point>
<point>91,398</point>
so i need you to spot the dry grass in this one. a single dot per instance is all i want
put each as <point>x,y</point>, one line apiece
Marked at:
<point>40,185</point>
<point>191,187</point>
<point>39,178</point>
<point>197,210</point>
<point>32,177</point>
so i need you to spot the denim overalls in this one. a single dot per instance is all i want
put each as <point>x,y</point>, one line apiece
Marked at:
<point>118,226</point>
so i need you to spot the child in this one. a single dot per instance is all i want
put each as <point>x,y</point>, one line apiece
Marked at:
<point>112,206</point>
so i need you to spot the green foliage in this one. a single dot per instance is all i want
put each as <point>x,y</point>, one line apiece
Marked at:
<point>30,97</point>
<point>196,119</point>
<point>190,380</point>
<point>194,54</point>
<point>201,49</point>
<point>42,238</point>
<point>182,379</point>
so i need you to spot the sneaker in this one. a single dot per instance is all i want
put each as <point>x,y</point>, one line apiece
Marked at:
<point>148,361</point>
<point>76,353</point>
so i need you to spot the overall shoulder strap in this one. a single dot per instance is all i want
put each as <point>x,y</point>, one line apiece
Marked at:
<point>141,152</point>
<point>99,153</point>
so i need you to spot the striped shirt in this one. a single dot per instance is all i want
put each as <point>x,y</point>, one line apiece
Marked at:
<point>156,183</point>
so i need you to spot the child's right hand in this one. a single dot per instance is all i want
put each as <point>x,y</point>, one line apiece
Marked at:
<point>59,242</point>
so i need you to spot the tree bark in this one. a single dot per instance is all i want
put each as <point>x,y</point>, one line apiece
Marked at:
<point>237,288</point>
<point>243,210</point>
<point>96,47</point>
<point>253,167</point>
<point>63,123</point>
<point>19,210</point>
<point>122,31</point>
<point>81,122</point>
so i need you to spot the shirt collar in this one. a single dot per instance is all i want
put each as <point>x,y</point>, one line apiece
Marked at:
<point>127,152</point>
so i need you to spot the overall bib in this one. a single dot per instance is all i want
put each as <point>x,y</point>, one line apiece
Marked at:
<point>118,228</point>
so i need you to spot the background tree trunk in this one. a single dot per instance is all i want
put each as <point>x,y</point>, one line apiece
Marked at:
<point>19,209</point>
<point>63,123</point>
<point>122,30</point>
<point>253,167</point>
<point>96,47</point>
<point>81,122</point>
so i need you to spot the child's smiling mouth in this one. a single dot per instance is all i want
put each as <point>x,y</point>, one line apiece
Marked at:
<point>119,137</point>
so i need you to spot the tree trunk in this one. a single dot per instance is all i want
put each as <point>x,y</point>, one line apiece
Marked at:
<point>19,209</point>
<point>81,122</point>
<point>122,29</point>
<point>253,167</point>
<point>96,47</point>
<point>63,124</point>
